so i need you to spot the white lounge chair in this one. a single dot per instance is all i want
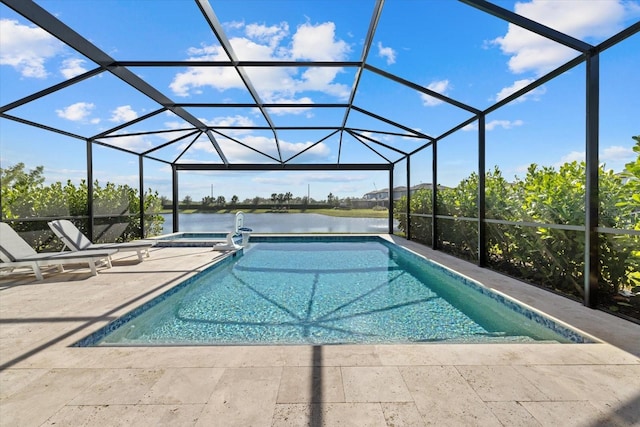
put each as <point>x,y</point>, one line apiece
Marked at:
<point>76,241</point>
<point>16,253</point>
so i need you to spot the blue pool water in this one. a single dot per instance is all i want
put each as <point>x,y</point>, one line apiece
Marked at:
<point>328,292</point>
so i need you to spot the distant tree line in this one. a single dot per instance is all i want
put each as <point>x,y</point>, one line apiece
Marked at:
<point>278,200</point>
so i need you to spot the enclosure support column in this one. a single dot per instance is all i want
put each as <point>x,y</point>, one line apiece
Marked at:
<point>591,246</point>
<point>434,195</point>
<point>482,238</point>
<point>141,186</point>
<point>174,183</point>
<point>390,200</point>
<point>90,212</point>
<point>408,197</point>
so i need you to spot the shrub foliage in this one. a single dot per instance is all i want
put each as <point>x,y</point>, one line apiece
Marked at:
<point>116,207</point>
<point>534,249</point>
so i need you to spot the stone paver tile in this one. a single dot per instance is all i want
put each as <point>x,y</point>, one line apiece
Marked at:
<point>329,415</point>
<point>346,355</point>
<point>305,384</point>
<point>620,413</point>
<point>183,385</point>
<point>14,380</point>
<point>194,357</point>
<point>402,414</point>
<point>566,414</point>
<point>243,397</point>
<point>374,384</point>
<point>119,387</point>
<point>444,398</point>
<point>34,403</point>
<point>125,415</point>
<point>602,354</point>
<point>262,356</point>
<point>512,414</point>
<point>400,355</point>
<point>302,355</point>
<point>590,382</point>
<point>500,383</point>
<point>55,357</point>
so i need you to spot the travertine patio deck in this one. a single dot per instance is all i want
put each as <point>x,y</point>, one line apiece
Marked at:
<point>43,381</point>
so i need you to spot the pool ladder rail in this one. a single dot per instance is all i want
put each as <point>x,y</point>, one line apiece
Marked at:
<point>229,244</point>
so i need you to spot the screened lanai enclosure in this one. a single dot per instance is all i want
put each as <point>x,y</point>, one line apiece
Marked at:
<point>505,133</point>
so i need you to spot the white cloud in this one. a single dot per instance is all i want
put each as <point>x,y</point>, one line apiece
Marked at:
<point>76,112</point>
<point>73,67</point>
<point>614,154</point>
<point>271,35</point>
<point>274,84</point>
<point>237,153</point>
<point>224,121</point>
<point>494,124</point>
<point>26,48</point>
<point>318,43</point>
<point>388,53</point>
<point>286,179</point>
<point>617,153</point>
<point>504,124</point>
<point>516,86</point>
<point>291,110</point>
<point>136,143</point>
<point>123,114</point>
<point>380,137</point>
<point>440,86</point>
<point>574,156</point>
<point>591,20</point>
<point>289,149</point>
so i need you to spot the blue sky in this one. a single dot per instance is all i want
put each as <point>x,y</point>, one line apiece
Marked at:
<point>446,46</point>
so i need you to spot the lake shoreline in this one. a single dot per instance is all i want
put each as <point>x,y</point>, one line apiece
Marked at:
<point>342,213</point>
<point>310,222</point>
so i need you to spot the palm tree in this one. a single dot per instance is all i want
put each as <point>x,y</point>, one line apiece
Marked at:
<point>330,198</point>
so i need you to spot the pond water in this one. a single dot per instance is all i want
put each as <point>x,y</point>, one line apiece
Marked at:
<point>278,223</point>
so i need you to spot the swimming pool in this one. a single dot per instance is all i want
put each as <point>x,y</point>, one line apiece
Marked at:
<point>324,290</point>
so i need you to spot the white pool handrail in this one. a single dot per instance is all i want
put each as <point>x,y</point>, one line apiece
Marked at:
<point>239,220</point>
<point>240,228</point>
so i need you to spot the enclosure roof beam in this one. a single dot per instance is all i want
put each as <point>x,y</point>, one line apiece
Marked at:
<point>217,29</point>
<point>51,89</point>
<point>215,144</point>
<point>107,133</point>
<point>529,24</point>
<point>255,150</point>
<point>387,146</point>
<point>285,166</point>
<point>311,146</point>
<point>166,144</point>
<point>239,63</point>
<point>390,122</point>
<point>373,25</point>
<point>65,34</point>
<point>41,126</point>
<point>422,89</point>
